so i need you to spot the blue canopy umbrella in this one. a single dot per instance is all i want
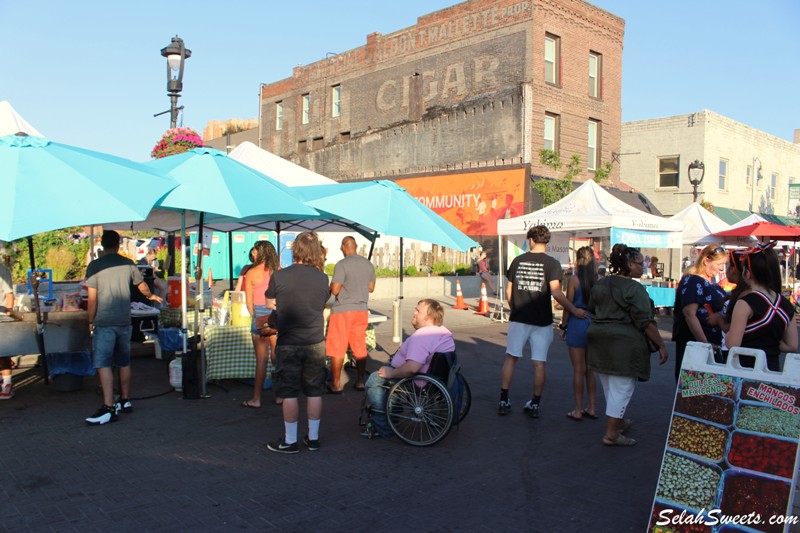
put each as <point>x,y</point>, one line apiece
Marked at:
<point>48,186</point>
<point>211,182</point>
<point>387,208</point>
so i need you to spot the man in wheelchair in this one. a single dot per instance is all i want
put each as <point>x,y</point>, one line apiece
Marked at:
<point>413,356</point>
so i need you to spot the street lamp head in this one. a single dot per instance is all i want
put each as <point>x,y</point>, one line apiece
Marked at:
<point>176,54</point>
<point>696,172</point>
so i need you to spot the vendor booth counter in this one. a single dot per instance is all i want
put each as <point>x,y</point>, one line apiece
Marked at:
<point>230,353</point>
<point>64,331</point>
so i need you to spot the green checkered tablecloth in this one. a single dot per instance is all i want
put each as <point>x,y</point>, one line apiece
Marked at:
<point>171,317</point>
<point>230,353</point>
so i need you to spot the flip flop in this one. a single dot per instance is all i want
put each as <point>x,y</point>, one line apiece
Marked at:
<point>621,440</point>
<point>247,404</point>
<point>357,387</point>
<point>571,416</point>
<point>590,415</point>
<point>334,391</point>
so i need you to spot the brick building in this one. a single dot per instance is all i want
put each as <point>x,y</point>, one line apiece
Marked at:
<point>458,106</point>
<point>746,170</point>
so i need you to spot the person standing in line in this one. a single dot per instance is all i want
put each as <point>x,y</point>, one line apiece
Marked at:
<point>245,268</point>
<point>298,295</point>
<point>533,277</point>
<point>485,273</point>
<point>573,330</point>
<point>109,279</point>
<point>697,297</point>
<point>256,281</point>
<point>619,351</point>
<point>763,318</point>
<point>6,306</point>
<point>353,280</point>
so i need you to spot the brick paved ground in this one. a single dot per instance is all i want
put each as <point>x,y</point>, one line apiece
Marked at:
<point>176,464</point>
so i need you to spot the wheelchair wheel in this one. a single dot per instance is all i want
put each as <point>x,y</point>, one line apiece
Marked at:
<point>420,416</point>
<point>462,399</point>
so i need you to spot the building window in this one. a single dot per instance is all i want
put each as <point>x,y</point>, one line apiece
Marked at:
<point>748,178</point>
<point>336,100</point>
<point>316,143</point>
<point>552,58</point>
<point>668,171</point>
<point>723,174</point>
<point>592,161</point>
<point>595,75</point>
<point>306,112</point>
<point>302,147</point>
<point>551,131</point>
<point>279,116</point>
<point>773,184</point>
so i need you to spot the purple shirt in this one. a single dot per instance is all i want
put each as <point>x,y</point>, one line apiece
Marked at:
<point>422,344</point>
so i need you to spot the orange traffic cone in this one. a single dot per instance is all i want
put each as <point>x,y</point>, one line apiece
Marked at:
<point>483,303</point>
<point>459,297</point>
<point>210,278</point>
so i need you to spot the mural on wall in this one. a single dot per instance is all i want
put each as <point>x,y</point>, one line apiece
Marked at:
<point>473,202</point>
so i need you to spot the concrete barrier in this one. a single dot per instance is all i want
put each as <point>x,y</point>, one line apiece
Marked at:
<point>427,287</point>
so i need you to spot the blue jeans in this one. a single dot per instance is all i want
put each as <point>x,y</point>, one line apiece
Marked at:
<point>377,390</point>
<point>111,346</point>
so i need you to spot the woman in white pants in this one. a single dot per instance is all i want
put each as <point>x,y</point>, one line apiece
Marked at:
<point>618,338</point>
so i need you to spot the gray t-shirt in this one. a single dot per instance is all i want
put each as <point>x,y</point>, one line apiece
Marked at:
<point>354,273</point>
<point>112,276</point>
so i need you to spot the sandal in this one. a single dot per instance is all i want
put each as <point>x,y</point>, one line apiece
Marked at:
<point>590,415</point>
<point>621,440</point>
<point>571,416</point>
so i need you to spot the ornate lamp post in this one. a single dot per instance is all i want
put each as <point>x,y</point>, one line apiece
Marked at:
<point>696,172</point>
<point>176,54</point>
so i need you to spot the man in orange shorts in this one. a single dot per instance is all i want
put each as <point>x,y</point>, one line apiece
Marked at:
<point>353,280</point>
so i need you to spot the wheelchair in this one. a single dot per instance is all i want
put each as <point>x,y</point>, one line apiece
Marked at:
<point>422,409</point>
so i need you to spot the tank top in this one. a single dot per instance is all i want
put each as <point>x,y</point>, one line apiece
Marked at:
<point>765,328</point>
<point>261,288</point>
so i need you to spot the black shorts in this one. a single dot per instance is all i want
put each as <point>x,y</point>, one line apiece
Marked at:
<point>300,369</point>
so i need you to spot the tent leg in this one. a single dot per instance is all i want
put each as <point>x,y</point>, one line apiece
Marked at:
<point>397,307</point>
<point>499,314</point>
<point>37,304</point>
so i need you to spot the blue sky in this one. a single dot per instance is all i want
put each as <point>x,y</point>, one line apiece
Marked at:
<point>90,73</point>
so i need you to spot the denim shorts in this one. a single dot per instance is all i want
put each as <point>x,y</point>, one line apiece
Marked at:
<point>259,310</point>
<point>300,368</point>
<point>111,346</point>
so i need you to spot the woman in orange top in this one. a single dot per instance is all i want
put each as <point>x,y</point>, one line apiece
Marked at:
<point>255,285</point>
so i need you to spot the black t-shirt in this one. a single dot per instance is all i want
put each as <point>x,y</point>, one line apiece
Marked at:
<point>770,319</point>
<point>300,294</point>
<point>530,275</point>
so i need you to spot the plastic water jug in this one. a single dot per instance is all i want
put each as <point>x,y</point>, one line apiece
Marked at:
<point>240,316</point>
<point>176,373</point>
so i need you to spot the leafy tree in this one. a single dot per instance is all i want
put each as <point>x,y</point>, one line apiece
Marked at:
<point>553,190</point>
<point>707,205</point>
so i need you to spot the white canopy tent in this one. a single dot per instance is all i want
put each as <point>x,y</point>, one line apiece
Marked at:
<point>699,223</point>
<point>11,122</point>
<point>591,211</point>
<point>276,167</point>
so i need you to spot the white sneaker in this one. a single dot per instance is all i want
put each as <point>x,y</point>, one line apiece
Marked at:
<point>7,392</point>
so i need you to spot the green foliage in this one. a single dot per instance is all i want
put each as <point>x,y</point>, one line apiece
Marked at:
<point>61,261</point>
<point>329,269</point>
<point>42,244</point>
<point>386,272</point>
<point>604,172</point>
<point>554,190</point>
<point>411,271</point>
<point>442,268</point>
<point>464,270</point>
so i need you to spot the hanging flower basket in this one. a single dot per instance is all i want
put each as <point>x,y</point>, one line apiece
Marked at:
<point>176,141</point>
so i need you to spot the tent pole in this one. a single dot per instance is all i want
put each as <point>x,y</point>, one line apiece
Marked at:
<point>372,246</point>
<point>230,260</point>
<point>500,315</point>
<point>397,308</point>
<point>37,304</point>
<point>199,306</point>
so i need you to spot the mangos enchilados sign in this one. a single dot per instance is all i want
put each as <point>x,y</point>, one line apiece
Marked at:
<point>731,454</point>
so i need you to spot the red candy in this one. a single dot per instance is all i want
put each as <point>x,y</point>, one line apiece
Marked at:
<point>763,454</point>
